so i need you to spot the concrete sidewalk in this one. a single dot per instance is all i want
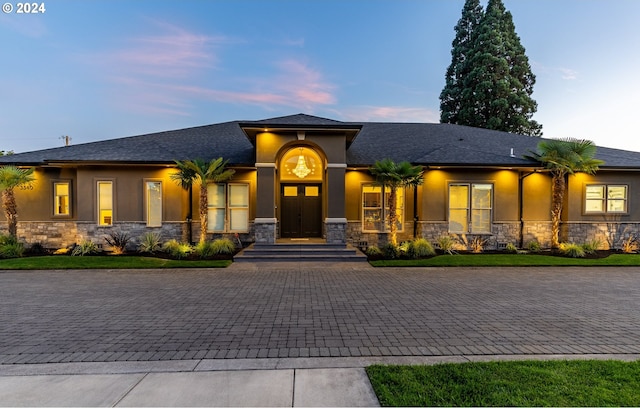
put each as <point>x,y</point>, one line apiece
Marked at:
<point>256,382</point>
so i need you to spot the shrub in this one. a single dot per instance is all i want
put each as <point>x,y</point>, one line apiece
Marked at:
<point>37,249</point>
<point>446,244</point>
<point>85,248</point>
<point>390,251</point>
<point>511,248</point>
<point>118,242</point>
<point>572,250</point>
<point>590,247</point>
<point>477,244</point>
<point>8,240</point>
<point>150,243</point>
<point>630,245</point>
<point>421,248</point>
<point>176,249</point>
<point>534,246</point>
<point>373,251</point>
<point>223,246</point>
<point>11,249</point>
<point>404,248</point>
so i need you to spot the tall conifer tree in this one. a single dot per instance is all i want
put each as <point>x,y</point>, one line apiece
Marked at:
<point>462,46</point>
<point>497,81</point>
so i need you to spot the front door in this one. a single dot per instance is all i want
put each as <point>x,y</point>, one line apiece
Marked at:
<point>301,211</point>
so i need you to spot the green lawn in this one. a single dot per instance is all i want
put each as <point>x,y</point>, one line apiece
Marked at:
<point>523,383</point>
<point>106,262</point>
<point>512,260</point>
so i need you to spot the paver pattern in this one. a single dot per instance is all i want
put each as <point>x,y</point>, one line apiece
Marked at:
<point>298,310</point>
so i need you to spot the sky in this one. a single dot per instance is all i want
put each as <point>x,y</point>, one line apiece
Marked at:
<point>96,70</point>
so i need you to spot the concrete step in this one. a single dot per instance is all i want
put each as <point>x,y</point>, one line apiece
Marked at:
<point>300,253</point>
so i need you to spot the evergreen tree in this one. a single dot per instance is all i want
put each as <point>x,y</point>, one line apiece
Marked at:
<point>497,81</point>
<point>451,96</point>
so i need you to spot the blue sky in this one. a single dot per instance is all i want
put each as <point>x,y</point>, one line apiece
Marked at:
<point>98,70</point>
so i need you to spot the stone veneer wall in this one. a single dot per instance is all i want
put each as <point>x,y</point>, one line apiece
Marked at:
<point>611,235</point>
<point>61,234</point>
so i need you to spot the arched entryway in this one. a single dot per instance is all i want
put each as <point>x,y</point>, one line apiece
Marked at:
<point>301,179</point>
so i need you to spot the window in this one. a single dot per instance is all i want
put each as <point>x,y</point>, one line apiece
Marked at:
<point>228,209</point>
<point>470,208</point>
<point>603,198</point>
<point>153,197</point>
<point>375,209</point>
<point>105,202</point>
<point>61,195</point>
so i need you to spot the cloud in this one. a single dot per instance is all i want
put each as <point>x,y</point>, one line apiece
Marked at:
<point>165,72</point>
<point>172,53</point>
<point>389,114</point>
<point>568,74</point>
<point>30,26</point>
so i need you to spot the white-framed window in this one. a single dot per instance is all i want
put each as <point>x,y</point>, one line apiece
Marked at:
<point>153,203</point>
<point>470,208</point>
<point>375,208</point>
<point>228,208</point>
<point>105,203</point>
<point>62,198</point>
<point>606,198</point>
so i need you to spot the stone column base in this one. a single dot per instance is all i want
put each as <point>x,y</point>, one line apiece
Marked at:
<point>265,230</point>
<point>336,230</point>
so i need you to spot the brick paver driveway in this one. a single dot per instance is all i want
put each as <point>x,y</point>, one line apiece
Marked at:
<point>249,311</point>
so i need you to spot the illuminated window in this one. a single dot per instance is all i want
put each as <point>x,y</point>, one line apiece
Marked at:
<point>228,207</point>
<point>105,203</point>
<point>61,198</point>
<point>375,209</point>
<point>153,196</point>
<point>301,163</point>
<point>470,208</point>
<point>603,198</point>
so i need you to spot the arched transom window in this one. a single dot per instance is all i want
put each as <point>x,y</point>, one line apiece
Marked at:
<point>301,163</point>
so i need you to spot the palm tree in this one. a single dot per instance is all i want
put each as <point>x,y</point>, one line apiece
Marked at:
<point>190,171</point>
<point>564,157</point>
<point>12,177</point>
<point>393,175</point>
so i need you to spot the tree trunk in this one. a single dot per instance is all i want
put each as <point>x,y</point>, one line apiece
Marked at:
<point>556,207</point>
<point>10,211</point>
<point>393,217</point>
<point>204,204</point>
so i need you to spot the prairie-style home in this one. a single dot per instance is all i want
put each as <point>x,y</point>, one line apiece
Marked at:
<point>303,176</point>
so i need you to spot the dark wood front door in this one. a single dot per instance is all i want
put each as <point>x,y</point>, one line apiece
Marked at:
<point>301,211</point>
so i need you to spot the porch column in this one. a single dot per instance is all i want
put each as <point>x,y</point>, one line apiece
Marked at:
<point>336,221</point>
<point>265,223</point>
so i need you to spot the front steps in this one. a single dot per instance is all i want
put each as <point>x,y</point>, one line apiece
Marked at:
<point>293,252</point>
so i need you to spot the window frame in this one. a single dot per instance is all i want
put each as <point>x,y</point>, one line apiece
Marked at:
<point>382,207</point>
<point>147,202</point>
<point>229,209</point>
<point>471,208</point>
<point>56,214</point>
<point>605,200</point>
<point>113,201</point>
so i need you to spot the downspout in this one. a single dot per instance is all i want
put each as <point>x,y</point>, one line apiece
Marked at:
<point>521,204</point>
<point>415,212</point>
<point>190,215</point>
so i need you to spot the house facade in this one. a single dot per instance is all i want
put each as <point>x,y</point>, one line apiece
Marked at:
<point>302,176</point>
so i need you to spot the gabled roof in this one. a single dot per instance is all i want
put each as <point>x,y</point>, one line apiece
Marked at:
<point>206,142</point>
<point>301,119</point>
<point>430,144</point>
<point>439,144</point>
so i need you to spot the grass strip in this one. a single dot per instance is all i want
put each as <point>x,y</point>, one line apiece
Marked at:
<point>516,383</point>
<point>512,260</point>
<point>106,262</point>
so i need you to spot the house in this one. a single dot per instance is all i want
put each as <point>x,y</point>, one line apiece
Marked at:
<point>303,176</point>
